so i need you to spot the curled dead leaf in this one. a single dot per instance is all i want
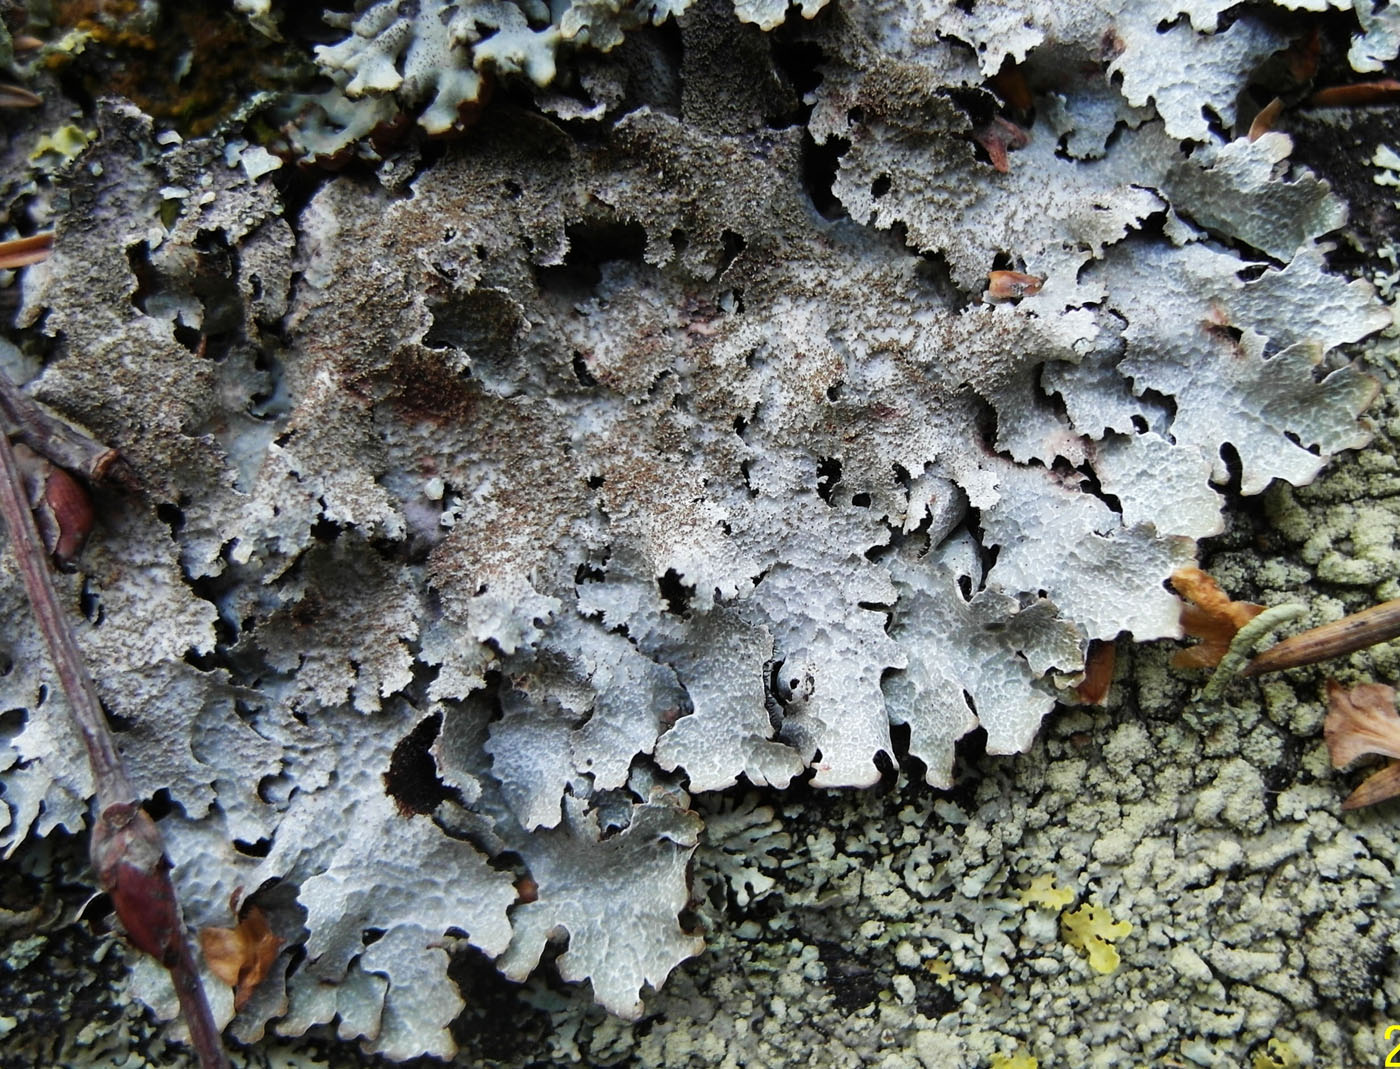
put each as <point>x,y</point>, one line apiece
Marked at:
<point>1098,673</point>
<point>1363,721</point>
<point>1379,787</point>
<point>1005,285</point>
<point>1210,616</point>
<point>1360,721</point>
<point>241,956</point>
<point>999,137</point>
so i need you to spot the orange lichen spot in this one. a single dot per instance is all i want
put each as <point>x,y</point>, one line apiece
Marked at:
<point>1006,285</point>
<point>1363,721</point>
<point>243,955</point>
<point>1210,616</point>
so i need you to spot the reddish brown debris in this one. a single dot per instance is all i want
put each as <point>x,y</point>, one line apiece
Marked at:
<point>129,857</point>
<point>1360,721</point>
<point>1005,285</point>
<point>1363,721</point>
<point>1098,672</point>
<point>243,955</point>
<point>126,846</point>
<point>1303,56</point>
<point>999,137</point>
<point>1382,91</point>
<point>1009,83</point>
<point>1210,616</point>
<point>1264,121</point>
<point>61,506</point>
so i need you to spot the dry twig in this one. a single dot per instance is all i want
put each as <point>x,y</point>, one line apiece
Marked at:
<point>127,850</point>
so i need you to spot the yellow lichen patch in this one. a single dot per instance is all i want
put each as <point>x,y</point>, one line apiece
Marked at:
<point>1019,1060</point>
<point>940,970</point>
<point>1279,1054</point>
<point>1093,930</point>
<point>1043,892</point>
<point>61,145</point>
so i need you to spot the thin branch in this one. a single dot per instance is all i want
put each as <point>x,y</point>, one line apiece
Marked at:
<point>109,775</point>
<point>127,850</point>
<point>60,442</point>
<point>21,252</point>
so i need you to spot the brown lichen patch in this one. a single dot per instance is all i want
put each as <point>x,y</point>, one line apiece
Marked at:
<point>1210,616</point>
<point>421,387</point>
<point>189,67</point>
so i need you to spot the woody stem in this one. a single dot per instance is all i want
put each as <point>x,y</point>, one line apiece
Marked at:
<point>132,868</point>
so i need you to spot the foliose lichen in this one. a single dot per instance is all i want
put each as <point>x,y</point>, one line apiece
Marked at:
<point>501,501</point>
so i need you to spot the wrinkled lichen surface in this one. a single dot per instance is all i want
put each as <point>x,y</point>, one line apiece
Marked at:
<point>508,499</point>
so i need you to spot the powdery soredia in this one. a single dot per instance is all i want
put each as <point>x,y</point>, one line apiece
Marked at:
<point>499,504</point>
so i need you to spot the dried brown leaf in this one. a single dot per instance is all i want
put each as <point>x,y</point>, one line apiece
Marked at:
<point>1360,721</point>
<point>1005,285</point>
<point>1380,787</point>
<point>1210,616</point>
<point>243,955</point>
<point>1098,673</point>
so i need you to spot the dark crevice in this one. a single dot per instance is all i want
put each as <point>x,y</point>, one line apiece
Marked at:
<point>412,778</point>
<point>828,475</point>
<point>674,592</point>
<point>820,163</point>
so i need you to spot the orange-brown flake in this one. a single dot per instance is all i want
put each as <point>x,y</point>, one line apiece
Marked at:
<point>1264,121</point>
<point>1009,83</point>
<point>243,955</point>
<point>1381,91</point>
<point>1005,285</point>
<point>999,137</point>
<point>1363,721</point>
<point>1210,616</point>
<point>1098,673</point>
